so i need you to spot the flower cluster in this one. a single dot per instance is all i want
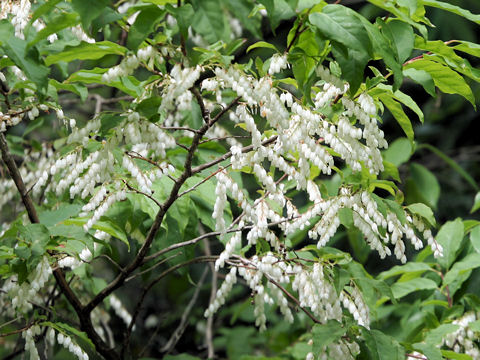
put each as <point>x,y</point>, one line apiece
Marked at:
<point>19,296</point>
<point>464,340</point>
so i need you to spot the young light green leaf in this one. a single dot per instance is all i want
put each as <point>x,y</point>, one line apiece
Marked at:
<point>423,78</point>
<point>454,9</point>
<point>401,289</point>
<point>470,262</point>
<point>86,51</point>
<point>476,203</point>
<point>398,113</point>
<point>430,351</point>
<point>446,79</point>
<point>475,238</point>
<point>262,44</point>
<point>423,211</point>
<point>398,152</point>
<point>58,23</point>
<point>401,97</point>
<point>450,237</point>
<point>410,267</point>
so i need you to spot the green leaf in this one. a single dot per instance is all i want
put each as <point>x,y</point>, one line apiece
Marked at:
<point>325,334</point>
<point>398,152</point>
<point>423,78</point>
<point>452,355</point>
<point>86,51</point>
<point>262,44</point>
<point>380,346</point>
<point>80,90</point>
<point>382,49</point>
<point>69,330</point>
<point>89,10</point>
<point>422,186</point>
<point>423,211</point>
<point>468,47</point>
<point>184,15</point>
<point>446,79</point>
<point>277,10</point>
<point>470,262</point>
<point>410,267</point>
<point>475,238</point>
<point>44,9</point>
<point>430,351</point>
<point>476,203</point>
<point>401,97</point>
<point>28,60</point>
<point>450,237</point>
<point>209,21</point>
<point>144,25</point>
<point>454,9</point>
<point>402,37</point>
<point>397,111</point>
<point>393,8</point>
<point>64,212</point>
<point>401,289</point>
<point>58,23</point>
<point>341,25</point>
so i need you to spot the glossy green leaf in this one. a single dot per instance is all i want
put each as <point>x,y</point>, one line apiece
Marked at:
<point>398,113</point>
<point>208,21</point>
<point>381,346</point>
<point>422,186</point>
<point>401,289</point>
<point>447,80</point>
<point>261,44</point>
<point>86,51</point>
<point>58,23</point>
<point>454,9</point>
<point>475,238</point>
<point>423,78</point>
<point>398,152</point>
<point>341,24</point>
<point>410,267</point>
<point>450,237</point>
<point>470,262</point>
<point>144,25</point>
<point>402,37</point>
<point>27,59</point>
<point>430,351</point>
<point>424,211</point>
<point>476,203</point>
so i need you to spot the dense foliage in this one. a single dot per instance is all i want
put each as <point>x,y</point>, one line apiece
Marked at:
<point>175,173</point>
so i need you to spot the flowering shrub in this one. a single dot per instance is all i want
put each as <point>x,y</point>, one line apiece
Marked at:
<point>203,161</point>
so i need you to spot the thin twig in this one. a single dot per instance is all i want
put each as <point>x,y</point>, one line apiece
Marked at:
<point>177,334</point>
<point>229,154</point>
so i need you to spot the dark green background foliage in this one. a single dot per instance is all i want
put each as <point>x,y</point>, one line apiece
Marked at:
<point>439,167</point>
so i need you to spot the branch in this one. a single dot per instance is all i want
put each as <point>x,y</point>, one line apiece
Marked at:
<point>177,334</point>
<point>120,279</point>
<point>85,320</point>
<point>229,154</point>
